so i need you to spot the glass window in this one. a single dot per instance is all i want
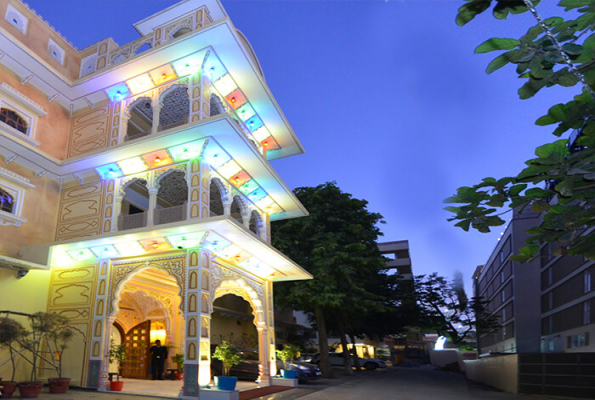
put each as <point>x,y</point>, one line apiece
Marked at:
<point>12,119</point>
<point>587,281</point>
<point>586,312</point>
<point>6,201</point>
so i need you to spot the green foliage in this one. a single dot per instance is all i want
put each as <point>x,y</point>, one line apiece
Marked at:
<point>117,354</point>
<point>11,332</point>
<point>228,355</point>
<point>336,243</point>
<point>289,353</point>
<point>178,359</point>
<point>448,311</point>
<point>556,175</point>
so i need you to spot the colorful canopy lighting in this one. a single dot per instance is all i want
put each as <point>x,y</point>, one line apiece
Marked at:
<point>186,241</point>
<point>109,171</point>
<point>105,251</point>
<point>132,165</point>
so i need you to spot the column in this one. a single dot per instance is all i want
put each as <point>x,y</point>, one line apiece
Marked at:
<point>117,211</point>
<point>270,318</point>
<point>125,117</point>
<point>226,207</point>
<point>156,114</point>
<point>265,368</point>
<point>104,377</point>
<point>197,365</point>
<point>152,206</point>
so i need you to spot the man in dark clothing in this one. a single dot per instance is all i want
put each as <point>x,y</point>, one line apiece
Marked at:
<point>158,357</point>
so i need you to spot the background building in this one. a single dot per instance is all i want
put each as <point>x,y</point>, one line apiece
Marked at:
<point>543,305</point>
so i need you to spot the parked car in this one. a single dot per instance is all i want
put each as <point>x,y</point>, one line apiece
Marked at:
<point>248,368</point>
<point>338,361</point>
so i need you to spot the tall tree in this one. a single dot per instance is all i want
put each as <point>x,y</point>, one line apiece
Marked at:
<point>336,243</point>
<point>448,311</point>
<point>560,180</point>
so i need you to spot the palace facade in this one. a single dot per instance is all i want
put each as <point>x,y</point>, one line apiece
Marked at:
<point>136,189</point>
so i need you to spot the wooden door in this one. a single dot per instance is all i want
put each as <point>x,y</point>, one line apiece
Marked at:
<point>137,351</point>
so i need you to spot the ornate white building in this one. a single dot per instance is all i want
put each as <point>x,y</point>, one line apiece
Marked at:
<point>135,185</point>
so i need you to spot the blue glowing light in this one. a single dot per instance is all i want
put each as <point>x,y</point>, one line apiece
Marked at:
<point>110,171</point>
<point>254,123</point>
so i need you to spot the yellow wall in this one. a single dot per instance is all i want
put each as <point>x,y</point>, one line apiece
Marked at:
<point>40,208</point>
<point>27,295</point>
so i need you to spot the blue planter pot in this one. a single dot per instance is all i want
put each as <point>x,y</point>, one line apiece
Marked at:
<point>226,383</point>
<point>289,373</point>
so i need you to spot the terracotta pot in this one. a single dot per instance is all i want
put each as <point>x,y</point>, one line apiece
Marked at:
<point>116,386</point>
<point>30,390</point>
<point>9,388</point>
<point>58,385</point>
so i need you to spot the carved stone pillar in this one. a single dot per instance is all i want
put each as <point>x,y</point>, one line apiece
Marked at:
<point>156,115</point>
<point>197,363</point>
<point>226,207</point>
<point>117,211</point>
<point>104,376</point>
<point>264,373</point>
<point>152,206</point>
<point>125,118</point>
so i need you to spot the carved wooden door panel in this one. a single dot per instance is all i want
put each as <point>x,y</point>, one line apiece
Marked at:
<point>137,351</point>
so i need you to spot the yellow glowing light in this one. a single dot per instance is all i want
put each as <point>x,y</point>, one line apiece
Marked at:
<point>229,169</point>
<point>225,85</point>
<point>140,84</point>
<point>261,134</point>
<point>230,251</point>
<point>132,165</point>
<point>61,259</point>
<point>157,334</point>
<point>129,248</point>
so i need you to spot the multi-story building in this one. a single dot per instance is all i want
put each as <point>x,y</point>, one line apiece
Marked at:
<point>136,188</point>
<point>543,305</point>
<point>399,259</point>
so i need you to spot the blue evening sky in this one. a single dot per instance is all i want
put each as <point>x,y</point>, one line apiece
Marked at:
<point>387,98</point>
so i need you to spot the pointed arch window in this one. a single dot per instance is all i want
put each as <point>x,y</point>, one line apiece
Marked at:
<point>13,120</point>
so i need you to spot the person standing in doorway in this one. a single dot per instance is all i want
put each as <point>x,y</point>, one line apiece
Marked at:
<point>158,357</point>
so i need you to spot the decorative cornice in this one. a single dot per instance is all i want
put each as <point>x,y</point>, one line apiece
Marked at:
<point>4,173</point>
<point>4,128</point>
<point>47,24</point>
<point>14,93</point>
<point>11,219</point>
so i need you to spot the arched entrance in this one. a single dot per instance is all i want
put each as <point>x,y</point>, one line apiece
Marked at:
<point>146,308</point>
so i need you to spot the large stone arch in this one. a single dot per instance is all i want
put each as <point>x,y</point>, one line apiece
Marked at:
<point>227,281</point>
<point>122,272</point>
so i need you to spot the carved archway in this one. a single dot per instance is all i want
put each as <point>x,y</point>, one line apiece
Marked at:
<point>226,281</point>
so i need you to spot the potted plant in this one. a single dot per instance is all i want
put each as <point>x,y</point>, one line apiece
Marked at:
<point>59,334</point>
<point>10,333</point>
<point>229,358</point>
<point>42,324</point>
<point>287,355</point>
<point>116,354</point>
<point>178,359</point>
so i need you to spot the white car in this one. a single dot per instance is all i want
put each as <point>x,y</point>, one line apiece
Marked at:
<point>337,361</point>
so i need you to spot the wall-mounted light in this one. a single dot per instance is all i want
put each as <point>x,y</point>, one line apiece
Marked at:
<point>157,160</point>
<point>155,245</point>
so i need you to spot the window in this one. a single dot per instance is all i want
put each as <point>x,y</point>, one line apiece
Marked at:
<point>6,201</point>
<point>586,312</point>
<point>550,345</point>
<point>504,314</point>
<point>56,52</point>
<point>550,300</point>
<point>502,296</point>
<point>13,120</point>
<point>501,276</point>
<point>587,282</point>
<point>18,114</point>
<point>16,19</point>
<point>579,340</point>
<point>12,194</point>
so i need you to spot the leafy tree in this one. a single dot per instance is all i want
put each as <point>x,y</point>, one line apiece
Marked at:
<point>336,243</point>
<point>448,311</point>
<point>560,180</point>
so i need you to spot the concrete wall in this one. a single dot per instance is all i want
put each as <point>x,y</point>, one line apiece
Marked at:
<point>500,372</point>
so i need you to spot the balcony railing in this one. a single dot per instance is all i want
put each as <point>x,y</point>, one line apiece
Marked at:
<point>132,221</point>
<point>170,214</point>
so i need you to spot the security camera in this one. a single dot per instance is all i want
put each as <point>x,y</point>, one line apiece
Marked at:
<point>21,273</point>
